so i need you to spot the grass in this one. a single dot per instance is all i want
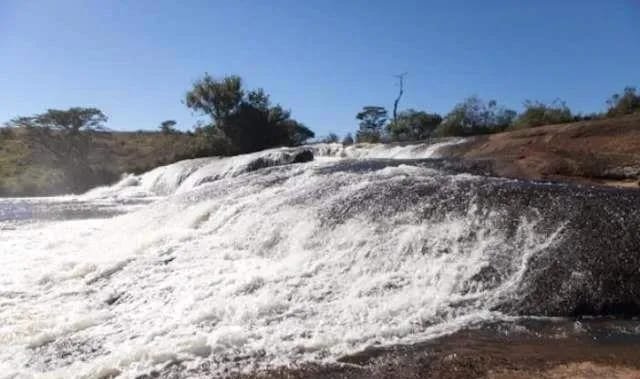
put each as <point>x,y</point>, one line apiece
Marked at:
<point>28,171</point>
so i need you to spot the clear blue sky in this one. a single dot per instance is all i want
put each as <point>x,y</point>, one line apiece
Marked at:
<point>322,59</point>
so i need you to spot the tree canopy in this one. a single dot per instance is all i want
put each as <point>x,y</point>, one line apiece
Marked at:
<point>475,116</point>
<point>246,119</point>
<point>216,98</point>
<point>64,133</point>
<point>67,135</point>
<point>372,119</point>
<point>413,125</point>
<point>168,127</point>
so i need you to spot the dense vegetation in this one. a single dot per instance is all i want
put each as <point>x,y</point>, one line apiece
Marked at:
<point>474,116</point>
<point>242,121</point>
<point>61,151</point>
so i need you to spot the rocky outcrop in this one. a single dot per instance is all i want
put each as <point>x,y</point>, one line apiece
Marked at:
<point>594,268</point>
<point>605,152</point>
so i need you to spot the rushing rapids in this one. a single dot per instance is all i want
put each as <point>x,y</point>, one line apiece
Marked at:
<point>302,254</point>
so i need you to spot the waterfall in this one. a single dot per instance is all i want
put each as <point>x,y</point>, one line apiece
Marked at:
<point>287,255</point>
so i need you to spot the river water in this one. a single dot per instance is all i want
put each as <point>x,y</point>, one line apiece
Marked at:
<point>259,261</point>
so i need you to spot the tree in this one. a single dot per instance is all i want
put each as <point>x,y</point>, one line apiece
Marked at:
<point>168,127</point>
<point>537,113</point>
<point>412,125</point>
<point>297,133</point>
<point>397,101</point>
<point>216,98</point>
<point>68,136</point>
<point>246,119</point>
<point>626,103</point>
<point>475,116</point>
<point>372,119</point>
<point>347,140</point>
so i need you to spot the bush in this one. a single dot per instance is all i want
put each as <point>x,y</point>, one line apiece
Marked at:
<point>537,113</point>
<point>474,116</point>
<point>412,125</point>
<point>626,103</point>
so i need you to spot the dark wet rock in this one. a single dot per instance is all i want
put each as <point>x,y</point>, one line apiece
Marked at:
<point>112,299</point>
<point>288,157</point>
<point>593,267</point>
<point>168,260</point>
<point>302,156</point>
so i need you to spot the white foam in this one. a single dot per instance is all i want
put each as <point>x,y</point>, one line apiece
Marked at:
<point>245,266</point>
<point>384,151</point>
<point>185,175</point>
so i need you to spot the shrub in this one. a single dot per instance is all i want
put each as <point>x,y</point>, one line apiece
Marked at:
<point>626,103</point>
<point>537,113</point>
<point>475,116</point>
<point>412,125</point>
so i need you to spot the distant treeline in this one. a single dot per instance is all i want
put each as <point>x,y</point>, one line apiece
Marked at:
<point>475,116</point>
<point>71,150</point>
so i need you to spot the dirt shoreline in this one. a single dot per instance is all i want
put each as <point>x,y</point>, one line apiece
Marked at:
<point>599,152</point>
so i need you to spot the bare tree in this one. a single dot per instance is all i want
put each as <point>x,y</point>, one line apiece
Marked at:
<point>395,103</point>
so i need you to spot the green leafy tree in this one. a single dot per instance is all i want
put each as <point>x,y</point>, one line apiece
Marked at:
<point>475,116</point>
<point>297,133</point>
<point>347,140</point>
<point>67,135</point>
<point>216,98</point>
<point>626,103</point>
<point>537,113</point>
<point>372,120</point>
<point>412,125</point>
<point>246,119</point>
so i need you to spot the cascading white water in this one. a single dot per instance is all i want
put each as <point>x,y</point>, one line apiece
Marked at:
<point>231,263</point>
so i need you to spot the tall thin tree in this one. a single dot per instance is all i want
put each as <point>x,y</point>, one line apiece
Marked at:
<point>395,103</point>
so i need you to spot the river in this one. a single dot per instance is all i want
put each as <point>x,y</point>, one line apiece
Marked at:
<point>298,255</point>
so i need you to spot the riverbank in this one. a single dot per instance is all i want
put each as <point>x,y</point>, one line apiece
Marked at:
<point>599,152</point>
